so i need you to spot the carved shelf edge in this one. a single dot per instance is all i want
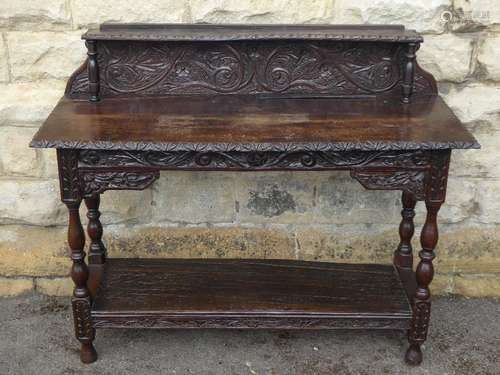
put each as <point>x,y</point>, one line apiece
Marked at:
<point>166,321</point>
<point>254,147</point>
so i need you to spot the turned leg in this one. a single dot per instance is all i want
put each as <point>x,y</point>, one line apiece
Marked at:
<point>97,250</point>
<point>80,301</point>
<point>403,256</point>
<point>417,333</point>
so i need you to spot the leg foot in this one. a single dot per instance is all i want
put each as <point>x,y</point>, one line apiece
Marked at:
<point>88,353</point>
<point>413,355</point>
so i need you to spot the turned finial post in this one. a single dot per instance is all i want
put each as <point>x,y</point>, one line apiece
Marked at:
<point>93,70</point>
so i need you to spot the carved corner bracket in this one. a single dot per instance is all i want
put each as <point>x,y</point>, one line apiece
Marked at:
<point>94,182</point>
<point>407,180</point>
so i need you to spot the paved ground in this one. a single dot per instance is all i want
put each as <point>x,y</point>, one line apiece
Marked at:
<point>36,338</point>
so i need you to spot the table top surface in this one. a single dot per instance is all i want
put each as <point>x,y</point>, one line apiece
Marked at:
<point>247,123</point>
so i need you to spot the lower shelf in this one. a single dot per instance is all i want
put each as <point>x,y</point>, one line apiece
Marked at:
<point>249,294</point>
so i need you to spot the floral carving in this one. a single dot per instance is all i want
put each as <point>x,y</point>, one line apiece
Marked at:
<point>332,68</point>
<point>160,321</point>
<point>68,175</point>
<point>254,159</point>
<point>411,181</point>
<point>96,182</point>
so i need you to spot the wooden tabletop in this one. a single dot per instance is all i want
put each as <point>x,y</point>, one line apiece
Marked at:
<point>246,123</point>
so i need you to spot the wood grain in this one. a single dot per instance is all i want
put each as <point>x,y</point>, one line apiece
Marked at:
<point>195,290</point>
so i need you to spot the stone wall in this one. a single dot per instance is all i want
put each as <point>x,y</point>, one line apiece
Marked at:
<point>320,215</point>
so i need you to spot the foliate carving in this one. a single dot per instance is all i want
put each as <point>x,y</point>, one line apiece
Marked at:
<point>245,322</point>
<point>96,182</point>
<point>410,181</point>
<point>254,159</point>
<point>83,320</point>
<point>332,68</point>
<point>420,323</point>
<point>438,175</point>
<point>248,147</point>
<point>68,175</point>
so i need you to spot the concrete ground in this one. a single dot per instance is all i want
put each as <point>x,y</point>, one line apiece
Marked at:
<point>36,338</point>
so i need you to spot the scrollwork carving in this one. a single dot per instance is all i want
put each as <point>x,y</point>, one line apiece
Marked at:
<point>411,181</point>
<point>245,322</point>
<point>96,182</point>
<point>331,68</point>
<point>254,160</point>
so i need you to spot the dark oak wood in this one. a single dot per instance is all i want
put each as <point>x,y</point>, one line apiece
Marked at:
<point>221,293</point>
<point>248,123</point>
<point>403,256</point>
<point>252,98</point>
<point>220,32</point>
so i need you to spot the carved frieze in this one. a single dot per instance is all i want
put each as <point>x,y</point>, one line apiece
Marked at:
<point>331,68</point>
<point>254,160</point>
<point>245,322</point>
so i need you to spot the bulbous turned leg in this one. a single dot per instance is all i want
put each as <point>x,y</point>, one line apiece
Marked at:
<point>97,250</point>
<point>417,333</point>
<point>81,303</point>
<point>403,256</point>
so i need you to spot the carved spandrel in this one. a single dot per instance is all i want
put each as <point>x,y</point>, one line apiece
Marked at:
<point>96,182</point>
<point>329,68</point>
<point>410,181</point>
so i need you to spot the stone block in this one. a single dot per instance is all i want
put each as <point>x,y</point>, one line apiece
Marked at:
<point>59,286</point>
<point>477,286</point>
<point>4,61</point>
<point>261,11</point>
<point>15,156</point>
<point>347,244</point>
<point>14,287</point>
<point>279,197</point>
<point>467,249</point>
<point>473,15</point>
<point>28,103</point>
<point>460,202</point>
<point>478,163</point>
<point>44,55</point>
<point>33,251</point>
<point>424,16</point>
<point>34,14</point>
<point>474,102</point>
<point>124,207</point>
<point>342,200</point>
<point>194,197</point>
<point>488,58</point>
<point>33,202</point>
<point>488,204</point>
<point>192,242</point>
<point>446,56</point>
<point>92,12</point>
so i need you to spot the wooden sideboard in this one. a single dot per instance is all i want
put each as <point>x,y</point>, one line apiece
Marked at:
<point>251,98</point>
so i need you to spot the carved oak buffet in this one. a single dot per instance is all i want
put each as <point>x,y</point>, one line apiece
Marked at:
<point>248,98</point>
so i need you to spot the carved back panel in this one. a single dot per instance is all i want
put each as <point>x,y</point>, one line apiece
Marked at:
<point>283,67</point>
